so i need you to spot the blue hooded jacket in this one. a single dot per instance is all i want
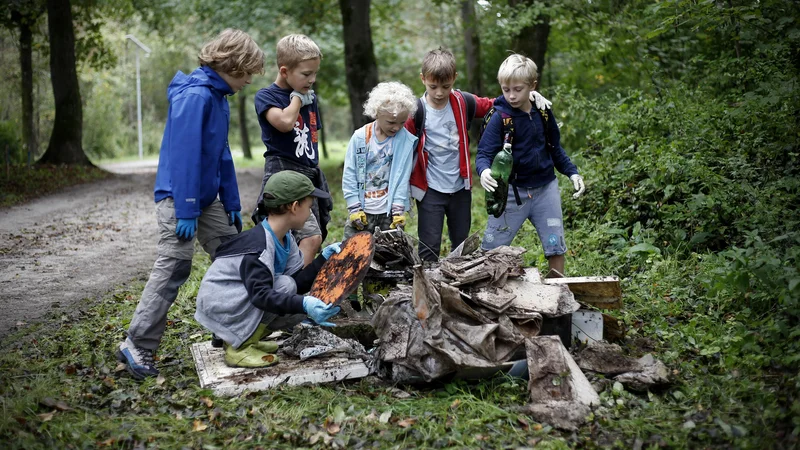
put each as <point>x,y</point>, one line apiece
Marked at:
<point>195,163</point>
<point>533,162</point>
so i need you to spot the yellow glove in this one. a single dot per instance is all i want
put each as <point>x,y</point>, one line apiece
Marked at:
<point>358,219</point>
<point>398,221</point>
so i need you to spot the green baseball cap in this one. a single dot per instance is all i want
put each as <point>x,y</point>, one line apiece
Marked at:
<point>288,186</point>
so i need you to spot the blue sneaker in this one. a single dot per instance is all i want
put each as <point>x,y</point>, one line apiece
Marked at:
<point>139,361</point>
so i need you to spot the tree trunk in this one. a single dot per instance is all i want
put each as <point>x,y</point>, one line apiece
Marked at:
<point>472,47</point>
<point>532,40</point>
<point>65,143</point>
<point>245,136</point>
<point>361,69</point>
<point>26,71</point>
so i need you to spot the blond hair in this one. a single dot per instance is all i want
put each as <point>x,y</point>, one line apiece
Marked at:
<point>439,65</point>
<point>391,97</point>
<point>232,52</point>
<point>518,68</point>
<point>296,48</point>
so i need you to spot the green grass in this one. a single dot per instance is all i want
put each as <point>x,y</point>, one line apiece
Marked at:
<point>732,385</point>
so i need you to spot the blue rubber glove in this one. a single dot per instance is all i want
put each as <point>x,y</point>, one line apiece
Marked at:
<point>235,218</point>
<point>319,311</point>
<point>328,251</point>
<point>186,229</point>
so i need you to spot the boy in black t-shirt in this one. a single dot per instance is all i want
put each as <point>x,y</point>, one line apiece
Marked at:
<point>288,114</point>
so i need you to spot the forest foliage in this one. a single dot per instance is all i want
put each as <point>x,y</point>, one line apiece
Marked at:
<point>682,115</point>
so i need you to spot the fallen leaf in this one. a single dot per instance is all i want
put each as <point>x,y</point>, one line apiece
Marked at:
<point>268,358</point>
<point>537,427</point>
<point>373,416</point>
<point>70,370</point>
<point>21,323</point>
<point>405,423</point>
<point>207,401</point>
<point>480,437</point>
<point>217,412</point>
<point>54,404</point>
<point>108,381</point>
<point>399,393</point>
<point>120,367</point>
<point>455,404</point>
<point>333,428</point>
<point>107,443</point>
<point>523,423</point>
<point>160,380</point>
<point>199,426</point>
<point>384,418</point>
<point>46,417</point>
<point>319,435</point>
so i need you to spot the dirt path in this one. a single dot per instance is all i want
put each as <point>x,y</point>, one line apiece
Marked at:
<point>82,242</point>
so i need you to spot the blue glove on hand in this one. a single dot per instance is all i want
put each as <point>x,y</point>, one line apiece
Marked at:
<point>186,229</point>
<point>319,311</point>
<point>305,99</point>
<point>235,218</point>
<point>328,251</point>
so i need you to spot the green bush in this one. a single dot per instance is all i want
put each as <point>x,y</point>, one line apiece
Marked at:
<point>10,143</point>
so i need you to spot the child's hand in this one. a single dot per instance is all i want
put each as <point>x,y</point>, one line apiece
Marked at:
<point>358,219</point>
<point>539,100</point>
<point>328,251</point>
<point>319,311</point>
<point>487,181</point>
<point>305,99</point>
<point>398,222</point>
<point>235,219</point>
<point>577,183</point>
<point>186,229</point>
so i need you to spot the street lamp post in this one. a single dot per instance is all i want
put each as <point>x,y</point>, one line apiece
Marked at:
<point>146,49</point>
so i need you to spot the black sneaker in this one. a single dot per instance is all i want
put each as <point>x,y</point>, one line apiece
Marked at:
<point>139,361</point>
<point>215,341</point>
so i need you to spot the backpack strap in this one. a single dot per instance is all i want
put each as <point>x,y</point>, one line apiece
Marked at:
<point>369,133</point>
<point>471,103</point>
<point>419,119</point>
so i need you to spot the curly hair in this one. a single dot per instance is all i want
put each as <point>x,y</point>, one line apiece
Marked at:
<point>233,52</point>
<point>294,49</point>
<point>392,97</point>
<point>518,68</point>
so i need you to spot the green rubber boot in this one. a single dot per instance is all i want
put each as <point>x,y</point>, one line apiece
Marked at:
<point>250,353</point>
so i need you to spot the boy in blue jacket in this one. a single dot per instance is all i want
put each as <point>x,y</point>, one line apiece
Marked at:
<point>288,113</point>
<point>536,148</point>
<point>196,192</point>
<point>254,284</point>
<point>377,165</point>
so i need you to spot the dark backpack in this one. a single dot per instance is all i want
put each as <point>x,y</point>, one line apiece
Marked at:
<point>419,116</point>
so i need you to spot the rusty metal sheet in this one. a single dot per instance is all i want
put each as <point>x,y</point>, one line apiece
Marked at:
<point>343,272</point>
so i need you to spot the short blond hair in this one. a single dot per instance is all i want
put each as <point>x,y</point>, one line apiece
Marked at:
<point>392,97</point>
<point>439,65</point>
<point>296,48</point>
<point>518,68</point>
<point>233,52</point>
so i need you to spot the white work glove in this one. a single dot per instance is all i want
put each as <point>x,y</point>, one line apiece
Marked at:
<point>539,100</point>
<point>577,183</point>
<point>305,99</point>
<point>487,181</point>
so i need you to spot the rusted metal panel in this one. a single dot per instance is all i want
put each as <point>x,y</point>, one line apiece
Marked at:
<point>342,273</point>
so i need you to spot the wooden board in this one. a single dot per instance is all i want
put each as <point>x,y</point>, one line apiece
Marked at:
<point>600,292</point>
<point>343,272</point>
<point>229,381</point>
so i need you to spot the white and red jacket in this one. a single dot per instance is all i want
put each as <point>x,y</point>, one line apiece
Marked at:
<point>419,173</point>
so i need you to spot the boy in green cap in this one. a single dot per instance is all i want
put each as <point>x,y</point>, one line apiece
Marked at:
<point>253,285</point>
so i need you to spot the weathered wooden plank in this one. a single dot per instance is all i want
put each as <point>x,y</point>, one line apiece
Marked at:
<point>600,292</point>
<point>228,381</point>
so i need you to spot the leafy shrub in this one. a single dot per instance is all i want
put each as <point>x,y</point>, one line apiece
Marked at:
<point>10,143</point>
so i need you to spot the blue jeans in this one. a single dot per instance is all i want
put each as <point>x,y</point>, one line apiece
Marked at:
<point>542,206</point>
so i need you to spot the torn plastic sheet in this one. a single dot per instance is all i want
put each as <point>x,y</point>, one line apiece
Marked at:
<point>313,341</point>
<point>429,331</point>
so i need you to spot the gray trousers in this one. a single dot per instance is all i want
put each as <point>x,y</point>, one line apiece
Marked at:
<point>432,211</point>
<point>173,267</point>
<point>275,322</point>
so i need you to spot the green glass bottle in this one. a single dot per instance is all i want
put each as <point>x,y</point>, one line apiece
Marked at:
<point>501,171</point>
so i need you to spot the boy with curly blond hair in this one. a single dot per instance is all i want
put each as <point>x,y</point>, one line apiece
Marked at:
<point>196,191</point>
<point>378,161</point>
